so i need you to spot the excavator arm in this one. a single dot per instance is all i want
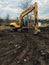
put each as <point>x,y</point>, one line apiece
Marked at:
<point>36,28</point>
<point>18,25</point>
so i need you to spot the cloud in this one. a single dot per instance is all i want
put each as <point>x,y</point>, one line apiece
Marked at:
<point>43,8</point>
<point>45,16</point>
<point>11,7</point>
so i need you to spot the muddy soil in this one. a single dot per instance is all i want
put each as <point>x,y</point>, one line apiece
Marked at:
<point>24,48</point>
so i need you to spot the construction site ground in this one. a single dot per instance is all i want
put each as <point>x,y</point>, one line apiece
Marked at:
<point>22,48</point>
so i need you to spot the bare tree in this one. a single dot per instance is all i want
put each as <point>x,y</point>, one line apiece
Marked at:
<point>7,17</point>
<point>25,4</point>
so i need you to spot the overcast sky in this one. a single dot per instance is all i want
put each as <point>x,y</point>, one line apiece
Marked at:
<point>11,7</point>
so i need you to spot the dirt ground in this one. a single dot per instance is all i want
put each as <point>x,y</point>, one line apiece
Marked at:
<point>24,48</point>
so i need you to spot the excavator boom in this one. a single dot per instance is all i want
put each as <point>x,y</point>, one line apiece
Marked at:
<point>27,11</point>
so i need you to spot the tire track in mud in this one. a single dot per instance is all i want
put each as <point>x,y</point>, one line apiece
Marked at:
<point>20,47</point>
<point>8,53</point>
<point>23,53</point>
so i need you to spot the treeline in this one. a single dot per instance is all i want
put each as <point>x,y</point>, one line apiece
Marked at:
<point>8,20</point>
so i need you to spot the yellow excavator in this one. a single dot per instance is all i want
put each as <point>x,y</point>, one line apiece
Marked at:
<point>18,25</point>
